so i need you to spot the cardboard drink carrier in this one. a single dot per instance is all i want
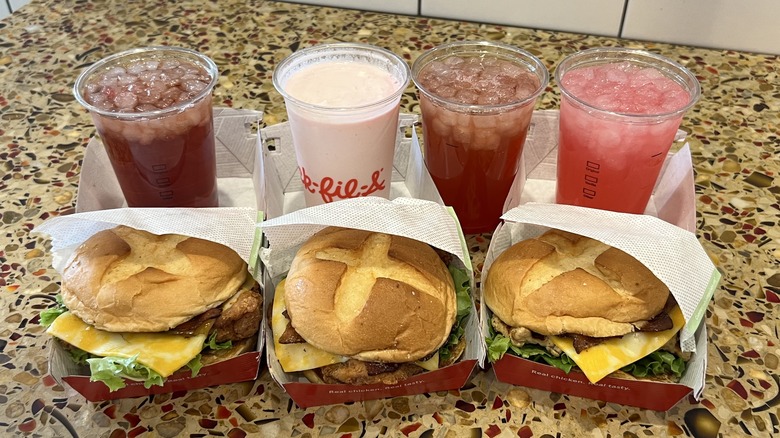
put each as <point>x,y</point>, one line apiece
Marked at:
<point>663,239</point>
<point>415,210</point>
<point>100,206</point>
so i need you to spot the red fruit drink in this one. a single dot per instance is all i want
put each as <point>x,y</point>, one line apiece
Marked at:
<point>618,121</point>
<point>152,110</point>
<point>476,105</point>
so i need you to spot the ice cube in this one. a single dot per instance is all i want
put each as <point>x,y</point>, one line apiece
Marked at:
<point>114,72</point>
<point>462,119</point>
<point>125,100</point>
<point>194,117</point>
<point>447,118</point>
<point>105,104</point>
<point>145,107</point>
<point>170,63</point>
<point>461,135</point>
<point>150,94</point>
<point>436,124</point>
<point>142,66</point>
<point>491,97</point>
<point>126,79</point>
<point>93,87</point>
<point>193,86</point>
<point>149,76</point>
<point>467,96</point>
<point>609,138</point>
<point>485,140</point>
<point>95,98</point>
<point>484,121</point>
<point>511,123</point>
<point>445,92</point>
<point>616,75</point>
<point>511,68</point>
<point>490,61</point>
<point>453,60</point>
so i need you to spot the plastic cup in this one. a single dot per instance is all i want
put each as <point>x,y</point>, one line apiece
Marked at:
<point>343,101</point>
<point>152,110</point>
<point>476,100</point>
<point>620,111</point>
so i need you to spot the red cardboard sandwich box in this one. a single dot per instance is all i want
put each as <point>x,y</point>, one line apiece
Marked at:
<point>100,206</point>
<point>421,220</point>
<point>663,239</point>
<point>68,232</point>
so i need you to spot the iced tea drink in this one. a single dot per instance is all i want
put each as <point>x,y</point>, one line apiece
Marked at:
<point>620,111</point>
<point>152,110</point>
<point>476,100</point>
<point>343,101</point>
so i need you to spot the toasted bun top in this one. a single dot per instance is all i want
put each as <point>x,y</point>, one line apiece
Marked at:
<point>370,296</point>
<point>128,280</point>
<point>565,283</point>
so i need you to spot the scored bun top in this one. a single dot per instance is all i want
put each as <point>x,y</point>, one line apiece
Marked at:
<point>562,282</point>
<point>128,280</point>
<point>371,296</point>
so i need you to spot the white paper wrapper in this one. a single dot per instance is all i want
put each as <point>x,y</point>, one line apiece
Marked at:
<point>417,219</point>
<point>671,253</point>
<point>232,227</point>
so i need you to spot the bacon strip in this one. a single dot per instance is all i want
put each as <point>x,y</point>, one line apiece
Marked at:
<point>290,336</point>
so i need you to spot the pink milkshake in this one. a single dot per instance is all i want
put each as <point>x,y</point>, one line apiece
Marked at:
<point>343,102</point>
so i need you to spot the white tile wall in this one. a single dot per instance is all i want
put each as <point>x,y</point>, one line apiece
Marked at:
<point>16,4</point>
<point>4,12</point>
<point>407,7</point>
<point>600,17</point>
<point>750,25</point>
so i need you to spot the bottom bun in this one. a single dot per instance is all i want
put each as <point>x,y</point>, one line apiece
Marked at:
<point>358,372</point>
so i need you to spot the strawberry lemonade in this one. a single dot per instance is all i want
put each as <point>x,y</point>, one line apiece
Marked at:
<point>620,111</point>
<point>476,101</point>
<point>343,102</point>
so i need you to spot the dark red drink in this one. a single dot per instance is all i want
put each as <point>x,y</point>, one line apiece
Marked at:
<point>474,181</point>
<point>476,100</point>
<point>152,110</point>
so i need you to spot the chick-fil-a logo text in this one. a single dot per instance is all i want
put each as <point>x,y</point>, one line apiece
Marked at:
<point>330,189</point>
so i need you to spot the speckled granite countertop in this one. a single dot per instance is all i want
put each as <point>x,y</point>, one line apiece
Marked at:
<point>735,140</point>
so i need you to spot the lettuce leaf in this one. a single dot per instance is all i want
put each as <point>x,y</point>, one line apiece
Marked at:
<point>112,371</point>
<point>48,316</point>
<point>657,363</point>
<point>463,300</point>
<point>195,365</point>
<point>498,345</point>
<point>76,354</point>
<point>212,343</point>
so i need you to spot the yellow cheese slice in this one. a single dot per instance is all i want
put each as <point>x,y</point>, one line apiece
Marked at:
<point>296,357</point>
<point>611,355</point>
<point>163,352</point>
<point>430,364</point>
